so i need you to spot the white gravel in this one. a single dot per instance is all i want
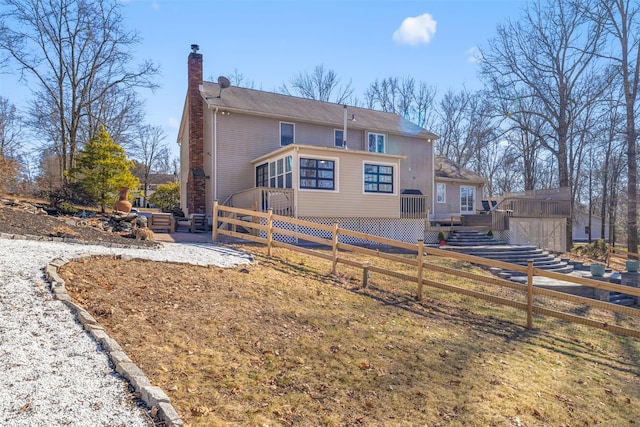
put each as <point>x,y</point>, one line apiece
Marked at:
<point>51,371</point>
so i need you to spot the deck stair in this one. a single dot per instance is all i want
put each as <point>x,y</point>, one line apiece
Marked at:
<point>482,245</point>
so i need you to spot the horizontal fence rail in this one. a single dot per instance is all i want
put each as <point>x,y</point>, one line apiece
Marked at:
<point>259,227</point>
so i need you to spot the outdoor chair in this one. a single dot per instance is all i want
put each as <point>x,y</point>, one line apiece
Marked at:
<point>198,222</point>
<point>193,223</point>
<point>161,221</point>
<point>182,222</point>
<point>485,207</point>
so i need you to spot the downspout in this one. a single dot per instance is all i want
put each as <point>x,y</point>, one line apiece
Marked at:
<point>344,130</point>
<point>296,179</point>
<point>433,180</point>
<point>214,161</point>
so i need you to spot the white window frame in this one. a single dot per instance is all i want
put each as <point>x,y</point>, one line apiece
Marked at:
<point>395,182</point>
<point>384,142</point>
<point>336,166</point>
<point>293,125</point>
<point>473,199</point>
<point>440,185</point>
<point>273,173</point>
<point>335,137</point>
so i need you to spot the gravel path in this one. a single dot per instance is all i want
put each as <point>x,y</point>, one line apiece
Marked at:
<point>51,371</point>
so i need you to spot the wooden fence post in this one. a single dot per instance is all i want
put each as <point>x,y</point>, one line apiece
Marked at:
<point>269,231</point>
<point>420,267</point>
<point>334,249</point>
<point>365,274</point>
<point>214,222</point>
<point>530,294</point>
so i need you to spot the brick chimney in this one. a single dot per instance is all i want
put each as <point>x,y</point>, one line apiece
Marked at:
<point>196,181</point>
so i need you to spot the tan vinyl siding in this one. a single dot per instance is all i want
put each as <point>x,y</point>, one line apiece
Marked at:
<point>240,139</point>
<point>452,201</point>
<point>208,160</point>
<point>349,199</point>
<point>452,205</point>
<point>183,137</point>
<point>243,137</point>
<point>416,169</point>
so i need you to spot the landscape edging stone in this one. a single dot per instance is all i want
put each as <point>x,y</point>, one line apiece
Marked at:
<point>152,396</point>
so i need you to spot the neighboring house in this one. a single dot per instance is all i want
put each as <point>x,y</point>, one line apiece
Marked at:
<point>155,179</point>
<point>581,228</point>
<point>367,170</point>
<point>457,190</point>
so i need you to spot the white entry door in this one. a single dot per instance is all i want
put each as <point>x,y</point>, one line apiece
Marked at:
<point>466,200</point>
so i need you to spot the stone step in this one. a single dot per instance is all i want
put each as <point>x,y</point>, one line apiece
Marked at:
<point>559,268</point>
<point>481,245</point>
<point>495,248</point>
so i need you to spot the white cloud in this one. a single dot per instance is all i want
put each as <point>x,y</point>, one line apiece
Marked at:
<point>173,123</point>
<point>473,55</point>
<point>416,30</point>
<point>155,5</point>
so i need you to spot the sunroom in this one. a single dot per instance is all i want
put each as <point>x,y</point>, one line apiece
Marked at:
<point>311,181</point>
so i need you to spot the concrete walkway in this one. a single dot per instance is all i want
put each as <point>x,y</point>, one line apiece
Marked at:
<point>183,237</point>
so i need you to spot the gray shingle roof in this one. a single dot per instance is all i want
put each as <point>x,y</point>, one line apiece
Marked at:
<point>445,168</point>
<point>292,108</point>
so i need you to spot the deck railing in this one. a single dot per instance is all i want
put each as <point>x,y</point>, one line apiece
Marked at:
<point>261,199</point>
<point>536,208</point>
<point>414,206</point>
<point>527,208</point>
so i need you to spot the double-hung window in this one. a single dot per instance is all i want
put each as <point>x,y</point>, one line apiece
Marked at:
<point>376,143</point>
<point>338,136</point>
<point>287,133</point>
<point>317,174</point>
<point>378,178</point>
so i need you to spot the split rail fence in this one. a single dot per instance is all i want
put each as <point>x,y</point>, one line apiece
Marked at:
<point>259,227</point>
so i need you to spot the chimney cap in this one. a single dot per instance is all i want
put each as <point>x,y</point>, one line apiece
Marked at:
<point>195,48</point>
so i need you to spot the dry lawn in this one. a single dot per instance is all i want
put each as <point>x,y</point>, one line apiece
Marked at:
<point>283,343</point>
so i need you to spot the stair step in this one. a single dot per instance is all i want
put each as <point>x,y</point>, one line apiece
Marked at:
<point>482,245</point>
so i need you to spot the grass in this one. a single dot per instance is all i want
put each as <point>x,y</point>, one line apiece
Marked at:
<point>284,343</point>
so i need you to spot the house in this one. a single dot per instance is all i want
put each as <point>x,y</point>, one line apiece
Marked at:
<point>368,170</point>
<point>585,224</point>
<point>457,191</point>
<point>155,179</point>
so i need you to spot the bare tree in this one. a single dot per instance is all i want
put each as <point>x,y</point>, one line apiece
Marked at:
<point>9,129</point>
<point>76,53</point>
<point>621,22</point>
<point>120,111</point>
<point>150,151</point>
<point>320,84</point>
<point>237,79</point>
<point>413,100</point>
<point>467,128</point>
<point>550,56</point>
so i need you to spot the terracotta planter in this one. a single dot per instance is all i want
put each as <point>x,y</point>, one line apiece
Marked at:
<point>123,204</point>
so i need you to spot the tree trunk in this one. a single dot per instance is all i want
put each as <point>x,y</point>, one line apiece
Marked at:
<point>632,182</point>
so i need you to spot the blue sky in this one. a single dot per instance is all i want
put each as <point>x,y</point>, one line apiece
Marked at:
<point>269,41</point>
